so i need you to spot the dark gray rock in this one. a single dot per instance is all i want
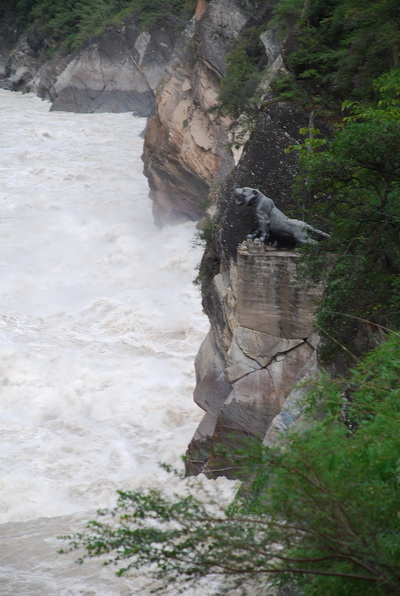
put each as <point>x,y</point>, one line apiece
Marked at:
<point>264,165</point>
<point>116,72</point>
<point>8,39</point>
<point>218,31</point>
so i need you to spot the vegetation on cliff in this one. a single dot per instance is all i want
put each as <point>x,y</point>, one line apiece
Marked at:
<point>322,510</point>
<point>237,88</point>
<point>74,21</point>
<point>337,47</point>
<point>353,180</point>
<point>333,50</point>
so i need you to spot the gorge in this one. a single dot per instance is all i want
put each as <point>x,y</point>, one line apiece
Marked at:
<point>100,323</point>
<point>172,74</point>
<point>232,98</point>
<point>250,363</point>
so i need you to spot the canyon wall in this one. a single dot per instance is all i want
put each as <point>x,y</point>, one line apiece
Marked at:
<point>185,144</point>
<point>117,72</point>
<point>261,344</point>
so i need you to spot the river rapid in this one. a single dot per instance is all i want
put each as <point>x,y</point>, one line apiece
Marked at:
<point>99,326</point>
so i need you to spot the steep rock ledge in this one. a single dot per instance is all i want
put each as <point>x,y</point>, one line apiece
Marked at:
<point>261,344</point>
<point>185,150</point>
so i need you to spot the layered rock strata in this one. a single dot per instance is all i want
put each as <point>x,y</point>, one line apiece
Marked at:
<point>116,71</point>
<point>262,346</point>
<point>185,151</point>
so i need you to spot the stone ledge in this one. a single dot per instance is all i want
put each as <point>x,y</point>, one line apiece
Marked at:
<point>270,298</point>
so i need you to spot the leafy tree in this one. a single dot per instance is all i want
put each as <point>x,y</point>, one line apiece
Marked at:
<point>370,43</point>
<point>340,46</point>
<point>322,510</point>
<point>74,21</point>
<point>354,180</point>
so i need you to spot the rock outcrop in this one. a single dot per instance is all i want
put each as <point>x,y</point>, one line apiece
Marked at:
<point>8,39</point>
<point>261,344</point>
<point>25,60</point>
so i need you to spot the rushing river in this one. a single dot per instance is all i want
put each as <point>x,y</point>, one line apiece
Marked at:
<point>99,326</point>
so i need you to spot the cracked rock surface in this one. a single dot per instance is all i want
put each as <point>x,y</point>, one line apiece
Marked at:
<point>262,345</point>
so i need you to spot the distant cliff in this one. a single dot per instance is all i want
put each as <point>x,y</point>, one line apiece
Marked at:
<point>116,71</point>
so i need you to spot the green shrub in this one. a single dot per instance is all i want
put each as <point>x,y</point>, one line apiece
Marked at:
<point>238,87</point>
<point>354,180</point>
<point>340,46</point>
<point>73,21</point>
<point>322,511</point>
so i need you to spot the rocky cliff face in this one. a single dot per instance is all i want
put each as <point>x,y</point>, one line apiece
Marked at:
<point>186,150</point>
<point>261,342</point>
<point>116,72</point>
<point>184,145</point>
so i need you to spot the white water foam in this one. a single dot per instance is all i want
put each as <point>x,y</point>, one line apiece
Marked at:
<point>99,326</point>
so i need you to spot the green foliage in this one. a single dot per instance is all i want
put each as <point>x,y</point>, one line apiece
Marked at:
<point>354,180</point>
<point>206,231</point>
<point>340,46</point>
<point>370,43</point>
<point>288,88</point>
<point>323,510</point>
<point>287,12</point>
<point>203,238</point>
<point>74,21</point>
<point>334,50</point>
<point>239,85</point>
<point>151,12</point>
